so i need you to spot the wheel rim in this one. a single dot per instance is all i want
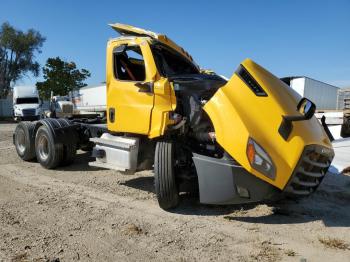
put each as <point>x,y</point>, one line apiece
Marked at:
<point>43,147</point>
<point>21,141</point>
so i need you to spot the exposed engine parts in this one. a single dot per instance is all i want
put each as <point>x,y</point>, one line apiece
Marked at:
<point>205,136</point>
<point>192,92</point>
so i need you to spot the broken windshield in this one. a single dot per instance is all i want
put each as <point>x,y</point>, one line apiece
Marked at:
<point>171,63</point>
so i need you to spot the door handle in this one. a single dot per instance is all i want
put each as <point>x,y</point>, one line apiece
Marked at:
<point>145,87</point>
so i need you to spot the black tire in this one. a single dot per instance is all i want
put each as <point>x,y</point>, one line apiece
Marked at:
<point>24,140</point>
<point>48,153</point>
<point>87,148</point>
<point>164,175</point>
<point>69,154</point>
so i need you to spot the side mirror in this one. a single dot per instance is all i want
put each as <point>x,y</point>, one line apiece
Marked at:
<point>306,108</point>
<point>120,49</point>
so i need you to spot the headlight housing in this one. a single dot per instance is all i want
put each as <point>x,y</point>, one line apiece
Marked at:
<point>260,160</point>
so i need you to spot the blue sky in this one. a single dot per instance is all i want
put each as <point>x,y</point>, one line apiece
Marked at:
<point>309,38</point>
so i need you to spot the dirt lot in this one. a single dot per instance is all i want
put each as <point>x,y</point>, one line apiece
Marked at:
<point>90,214</point>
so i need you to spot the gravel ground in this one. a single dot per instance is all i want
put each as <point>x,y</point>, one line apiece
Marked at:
<point>90,214</point>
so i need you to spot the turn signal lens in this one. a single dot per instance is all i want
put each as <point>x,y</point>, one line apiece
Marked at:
<point>250,152</point>
<point>260,160</point>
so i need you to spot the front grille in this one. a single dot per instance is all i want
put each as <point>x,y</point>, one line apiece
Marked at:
<point>67,108</point>
<point>28,112</point>
<point>311,169</point>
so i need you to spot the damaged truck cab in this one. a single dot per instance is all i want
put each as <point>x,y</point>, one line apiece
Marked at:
<point>232,131</point>
<point>246,139</point>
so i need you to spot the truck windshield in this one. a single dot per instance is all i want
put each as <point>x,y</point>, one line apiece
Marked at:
<point>171,63</point>
<point>27,100</point>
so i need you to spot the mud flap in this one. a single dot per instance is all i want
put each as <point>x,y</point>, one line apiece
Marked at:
<point>326,129</point>
<point>221,182</point>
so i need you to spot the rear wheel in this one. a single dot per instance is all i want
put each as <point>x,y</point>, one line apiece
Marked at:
<point>164,175</point>
<point>24,140</point>
<point>48,153</point>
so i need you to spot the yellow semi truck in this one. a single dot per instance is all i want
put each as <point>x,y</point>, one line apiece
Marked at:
<point>246,139</point>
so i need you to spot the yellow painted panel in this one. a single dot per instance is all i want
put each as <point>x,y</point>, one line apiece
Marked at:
<point>132,108</point>
<point>135,31</point>
<point>163,104</point>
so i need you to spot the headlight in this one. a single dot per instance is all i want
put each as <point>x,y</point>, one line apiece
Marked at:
<point>260,160</point>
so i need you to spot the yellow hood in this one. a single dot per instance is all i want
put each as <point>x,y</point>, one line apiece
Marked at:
<point>238,113</point>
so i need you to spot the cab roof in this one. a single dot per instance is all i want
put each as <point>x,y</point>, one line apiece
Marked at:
<point>128,30</point>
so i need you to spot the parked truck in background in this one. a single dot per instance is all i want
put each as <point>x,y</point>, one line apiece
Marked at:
<point>60,107</point>
<point>26,103</point>
<point>248,139</point>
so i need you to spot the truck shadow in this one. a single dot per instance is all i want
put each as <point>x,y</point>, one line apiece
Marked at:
<point>189,203</point>
<point>286,213</point>
<point>81,163</point>
<point>329,204</point>
<point>141,183</point>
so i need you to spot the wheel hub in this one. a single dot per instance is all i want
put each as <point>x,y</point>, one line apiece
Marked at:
<point>43,147</point>
<point>21,141</point>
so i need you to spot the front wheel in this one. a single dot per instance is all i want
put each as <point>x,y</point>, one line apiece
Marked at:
<point>164,175</point>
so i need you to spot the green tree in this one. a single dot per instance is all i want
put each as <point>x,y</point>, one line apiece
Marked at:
<point>61,77</point>
<point>17,55</point>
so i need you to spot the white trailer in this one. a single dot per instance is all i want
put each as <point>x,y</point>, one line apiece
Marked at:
<point>324,95</point>
<point>90,99</point>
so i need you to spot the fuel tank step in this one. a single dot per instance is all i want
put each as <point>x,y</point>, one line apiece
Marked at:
<point>115,152</point>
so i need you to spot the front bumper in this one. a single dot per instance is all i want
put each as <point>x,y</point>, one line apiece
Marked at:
<point>27,118</point>
<point>222,181</point>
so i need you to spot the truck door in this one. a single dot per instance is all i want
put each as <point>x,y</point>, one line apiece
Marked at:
<point>130,98</point>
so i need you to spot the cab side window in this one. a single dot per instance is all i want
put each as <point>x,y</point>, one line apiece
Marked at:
<point>129,64</point>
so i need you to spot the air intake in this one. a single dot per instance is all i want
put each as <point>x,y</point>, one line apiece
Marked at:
<point>247,78</point>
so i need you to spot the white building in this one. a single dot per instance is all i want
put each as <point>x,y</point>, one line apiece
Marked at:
<point>324,95</point>
<point>344,98</point>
